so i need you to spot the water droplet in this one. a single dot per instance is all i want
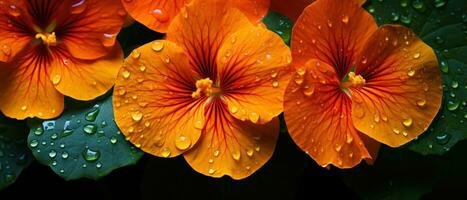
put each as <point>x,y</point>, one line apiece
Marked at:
<point>394,16</point>
<point>454,84</point>
<point>108,39</point>
<point>345,19</point>
<point>199,124</point>
<point>275,83</point>
<point>78,7</point>
<point>233,109</point>
<point>418,4</point>
<point>54,136</point>
<point>443,138</point>
<point>453,105</point>
<point>407,122</point>
<point>56,79</point>
<point>439,3</point>
<point>160,15</point>
<point>338,147</point>
<point>91,155</point>
<point>157,46</point>
<point>405,134</point>
<point>183,142</point>
<point>254,117</point>
<point>421,102</point>
<point>126,74</point>
<point>308,90</point>
<point>376,117</point>
<point>411,73</point>
<point>92,115</point>
<point>137,116</point>
<point>13,10</point>
<point>216,153</point>
<point>113,140</point>
<point>165,152</point>
<point>396,131</point>
<point>39,131</point>
<point>90,129</point>
<point>33,143</point>
<point>406,19</point>
<point>416,55</point>
<point>52,153</point>
<point>65,155</point>
<point>211,171</point>
<point>249,152</point>
<point>236,155</point>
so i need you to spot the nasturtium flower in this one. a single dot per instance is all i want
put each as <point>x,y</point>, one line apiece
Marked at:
<point>357,85</point>
<point>211,91</point>
<point>158,14</point>
<point>54,48</point>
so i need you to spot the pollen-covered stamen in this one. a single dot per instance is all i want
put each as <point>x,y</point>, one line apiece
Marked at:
<point>49,39</point>
<point>353,81</point>
<point>204,86</point>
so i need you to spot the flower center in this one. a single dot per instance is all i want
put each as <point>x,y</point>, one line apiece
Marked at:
<point>353,81</point>
<point>49,39</point>
<point>204,86</point>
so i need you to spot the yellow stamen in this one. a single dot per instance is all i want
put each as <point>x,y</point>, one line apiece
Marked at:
<point>203,86</point>
<point>354,81</point>
<point>49,39</point>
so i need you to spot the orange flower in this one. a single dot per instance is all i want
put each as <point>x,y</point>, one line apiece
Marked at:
<point>338,114</point>
<point>158,14</point>
<point>293,8</point>
<point>211,91</point>
<point>55,48</point>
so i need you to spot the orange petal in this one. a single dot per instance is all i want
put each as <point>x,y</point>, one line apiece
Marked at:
<point>152,100</point>
<point>89,28</point>
<point>83,79</point>
<point>332,31</point>
<point>318,117</point>
<point>14,29</point>
<point>202,33</point>
<point>155,14</point>
<point>255,10</point>
<point>254,84</point>
<point>231,147</point>
<point>403,87</point>
<point>26,90</point>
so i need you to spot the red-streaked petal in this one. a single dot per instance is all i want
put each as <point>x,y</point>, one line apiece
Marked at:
<point>231,147</point>
<point>89,28</point>
<point>202,33</point>
<point>318,117</point>
<point>15,29</point>
<point>403,89</point>
<point>152,100</point>
<point>26,90</point>
<point>332,31</point>
<point>85,79</point>
<point>253,73</point>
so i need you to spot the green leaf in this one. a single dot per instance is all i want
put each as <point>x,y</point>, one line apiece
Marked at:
<point>281,25</point>
<point>14,154</point>
<point>401,174</point>
<point>82,142</point>
<point>442,24</point>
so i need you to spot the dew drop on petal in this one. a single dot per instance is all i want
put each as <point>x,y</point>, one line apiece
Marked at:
<point>182,142</point>
<point>157,46</point>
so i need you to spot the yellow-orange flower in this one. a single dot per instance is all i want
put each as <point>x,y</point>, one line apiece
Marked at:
<point>158,14</point>
<point>212,91</point>
<point>54,48</point>
<point>357,85</point>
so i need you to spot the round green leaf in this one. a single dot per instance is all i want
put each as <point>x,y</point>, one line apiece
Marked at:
<point>82,142</point>
<point>281,25</point>
<point>442,24</point>
<point>14,154</point>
